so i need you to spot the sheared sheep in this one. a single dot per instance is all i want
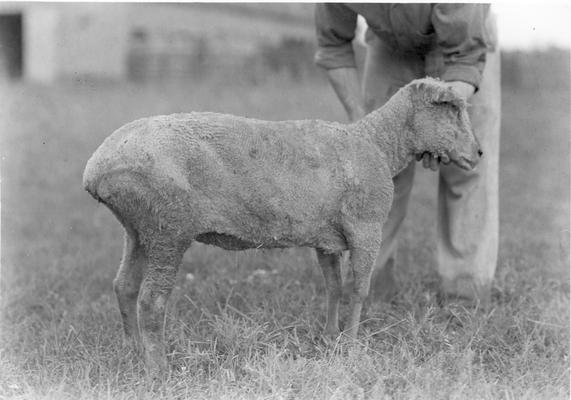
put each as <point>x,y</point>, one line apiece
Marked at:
<point>241,183</point>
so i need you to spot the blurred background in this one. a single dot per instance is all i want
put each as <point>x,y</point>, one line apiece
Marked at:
<point>45,42</point>
<point>149,42</point>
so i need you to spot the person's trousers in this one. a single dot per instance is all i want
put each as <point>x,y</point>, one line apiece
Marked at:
<point>467,231</point>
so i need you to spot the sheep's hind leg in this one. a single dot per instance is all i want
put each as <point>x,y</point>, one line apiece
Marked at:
<point>159,280</point>
<point>126,286</point>
<point>331,267</point>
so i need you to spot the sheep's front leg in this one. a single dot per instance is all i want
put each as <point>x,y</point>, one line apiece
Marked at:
<point>126,286</point>
<point>362,265</point>
<point>155,290</point>
<point>331,267</point>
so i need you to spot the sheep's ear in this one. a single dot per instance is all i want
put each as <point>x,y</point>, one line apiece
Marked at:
<point>449,96</point>
<point>437,92</point>
<point>418,86</point>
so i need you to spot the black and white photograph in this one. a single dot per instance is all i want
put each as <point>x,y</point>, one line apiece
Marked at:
<point>282,201</point>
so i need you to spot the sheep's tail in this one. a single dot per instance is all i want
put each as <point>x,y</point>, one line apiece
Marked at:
<point>105,173</point>
<point>126,193</point>
<point>133,198</point>
<point>108,183</point>
<point>92,178</point>
<point>98,183</point>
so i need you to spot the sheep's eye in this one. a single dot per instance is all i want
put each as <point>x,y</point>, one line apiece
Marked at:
<point>443,103</point>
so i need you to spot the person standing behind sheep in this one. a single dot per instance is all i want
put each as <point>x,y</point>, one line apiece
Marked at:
<point>458,44</point>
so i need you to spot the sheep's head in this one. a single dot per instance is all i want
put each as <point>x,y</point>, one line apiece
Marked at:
<point>440,125</point>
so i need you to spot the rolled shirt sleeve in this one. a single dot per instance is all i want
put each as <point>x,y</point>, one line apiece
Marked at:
<point>335,28</point>
<point>461,35</point>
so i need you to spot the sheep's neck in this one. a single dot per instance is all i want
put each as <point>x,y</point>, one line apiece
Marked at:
<point>389,130</point>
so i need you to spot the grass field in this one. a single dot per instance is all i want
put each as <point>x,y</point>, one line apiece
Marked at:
<point>247,325</point>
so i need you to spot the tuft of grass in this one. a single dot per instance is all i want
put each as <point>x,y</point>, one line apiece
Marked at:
<point>247,325</point>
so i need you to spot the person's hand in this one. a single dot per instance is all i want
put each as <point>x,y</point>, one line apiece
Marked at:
<point>345,83</point>
<point>465,90</point>
<point>356,113</point>
<point>432,162</point>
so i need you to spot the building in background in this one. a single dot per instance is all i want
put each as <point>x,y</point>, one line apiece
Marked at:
<point>43,42</point>
<point>46,42</point>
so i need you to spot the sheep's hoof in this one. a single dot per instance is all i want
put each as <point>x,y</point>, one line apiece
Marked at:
<point>132,344</point>
<point>157,373</point>
<point>331,337</point>
<point>155,381</point>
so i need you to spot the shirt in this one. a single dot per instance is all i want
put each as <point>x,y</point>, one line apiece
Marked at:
<point>458,31</point>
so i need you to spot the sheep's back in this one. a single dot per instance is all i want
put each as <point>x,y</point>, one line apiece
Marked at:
<point>181,147</point>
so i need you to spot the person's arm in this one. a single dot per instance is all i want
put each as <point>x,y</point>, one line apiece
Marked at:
<point>345,83</point>
<point>463,39</point>
<point>335,26</point>
<point>466,90</point>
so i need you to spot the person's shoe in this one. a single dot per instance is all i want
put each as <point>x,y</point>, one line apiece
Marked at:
<point>463,289</point>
